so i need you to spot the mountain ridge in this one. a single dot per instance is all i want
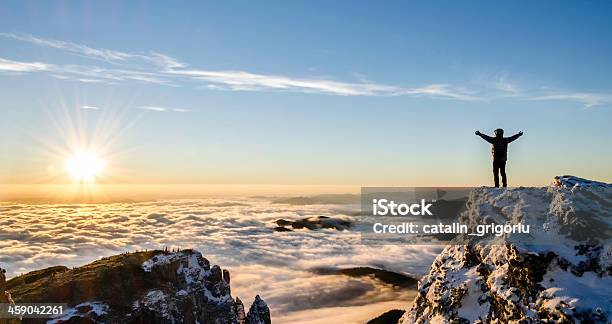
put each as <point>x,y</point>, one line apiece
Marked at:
<point>148,287</point>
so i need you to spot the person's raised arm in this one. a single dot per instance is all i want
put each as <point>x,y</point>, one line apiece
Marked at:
<point>514,137</point>
<point>485,137</point>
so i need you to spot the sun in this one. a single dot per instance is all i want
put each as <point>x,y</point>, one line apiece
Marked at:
<point>84,166</point>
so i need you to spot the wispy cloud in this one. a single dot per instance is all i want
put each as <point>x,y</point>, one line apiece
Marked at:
<point>162,109</point>
<point>152,108</point>
<point>86,107</point>
<point>17,66</point>
<point>504,85</point>
<point>108,75</point>
<point>84,73</point>
<point>159,68</point>
<point>156,68</point>
<point>443,90</point>
<point>106,55</point>
<point>246,81</point>
<point>589,99</point>
<point>90,80</point>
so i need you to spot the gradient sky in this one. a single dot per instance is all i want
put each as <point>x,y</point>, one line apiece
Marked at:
<point>305,92</point>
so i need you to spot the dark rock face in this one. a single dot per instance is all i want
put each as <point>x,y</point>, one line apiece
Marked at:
<point>385,276</point>
<point>390,317</point>
<point>5,298</point>
<point>226,276</point>
<point>259,313</point>
<point>313,223</point>
<point>142,287</point>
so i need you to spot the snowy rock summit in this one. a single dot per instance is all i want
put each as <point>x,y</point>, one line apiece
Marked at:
<point>140,287</point>
<point>559,273</point>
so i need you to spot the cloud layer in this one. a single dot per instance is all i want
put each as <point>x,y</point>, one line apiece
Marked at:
<point>235,233</point>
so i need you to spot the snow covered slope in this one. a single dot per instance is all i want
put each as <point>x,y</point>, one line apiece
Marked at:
<point>561,272</point>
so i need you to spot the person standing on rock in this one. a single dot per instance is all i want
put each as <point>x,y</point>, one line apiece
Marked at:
<point>499,149</point>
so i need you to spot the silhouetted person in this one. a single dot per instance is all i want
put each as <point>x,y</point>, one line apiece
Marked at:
<point>500,153</point>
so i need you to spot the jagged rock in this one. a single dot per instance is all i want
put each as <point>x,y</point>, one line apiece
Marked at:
<point>240,315</point>
<point>141,287</point>
<point>561,273</point>
<point>216,274</point>
<point>259,313</point>
<point>390,317</point>
<point>5,298</point>
<point>226,276</point>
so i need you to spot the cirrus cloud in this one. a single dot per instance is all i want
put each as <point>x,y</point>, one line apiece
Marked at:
<point>161,69</point>
<point>17,66</point>
<point>157,68</point>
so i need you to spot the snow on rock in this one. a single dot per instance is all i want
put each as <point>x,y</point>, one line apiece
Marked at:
<point>156,287</point>
<point>194,260</point>
<point>259,313</point>
<point>84,312</point>
<point>560,273</point>
<point>569,181</point>
<point>195,281</point>
<point>156,300</point>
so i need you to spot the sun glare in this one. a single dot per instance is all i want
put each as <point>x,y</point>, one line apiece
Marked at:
<point>84,166</point>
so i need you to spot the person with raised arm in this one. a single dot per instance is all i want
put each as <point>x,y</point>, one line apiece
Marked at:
<point>499,149</point>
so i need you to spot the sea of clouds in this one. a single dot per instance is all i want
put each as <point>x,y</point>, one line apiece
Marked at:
<point>238,234</point>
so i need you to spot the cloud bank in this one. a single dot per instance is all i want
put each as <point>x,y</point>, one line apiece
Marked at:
<point>235,233</point>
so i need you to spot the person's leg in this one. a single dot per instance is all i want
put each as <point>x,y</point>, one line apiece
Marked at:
<point>495,173</point>
<point>502,170</point>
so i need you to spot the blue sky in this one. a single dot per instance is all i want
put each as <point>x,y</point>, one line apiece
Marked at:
<point>305,92</point>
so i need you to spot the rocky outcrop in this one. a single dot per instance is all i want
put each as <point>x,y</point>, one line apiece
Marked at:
<point>259,313</point>
<point>3,295</point>
<point>141,287</point>
<point>390,317</point>
<point>560,273</point>
<point>313,223</point>
<point>399,280</point>
<point>5,298</point>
